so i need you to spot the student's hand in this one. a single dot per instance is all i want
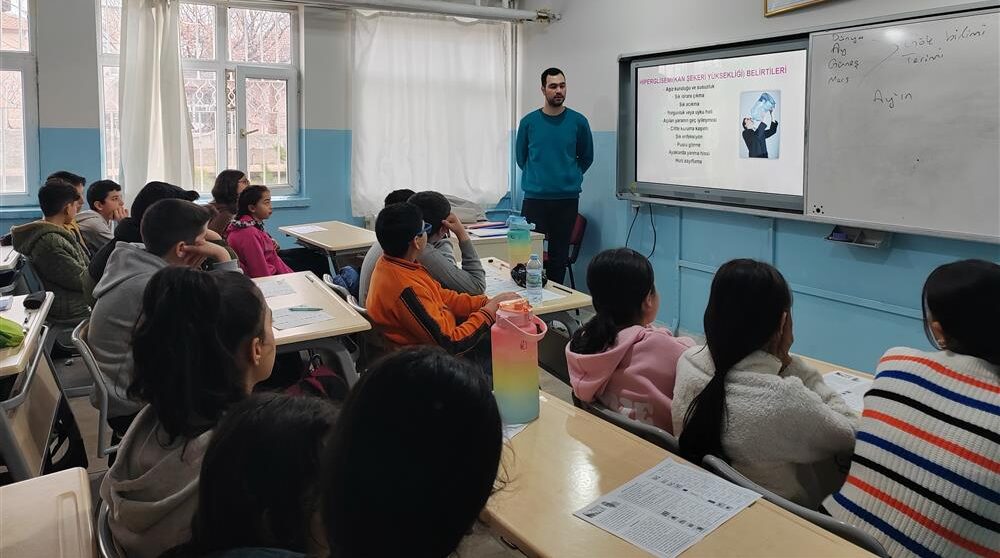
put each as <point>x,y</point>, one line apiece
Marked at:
<point>494,303</point>
<point>211,235</point>
<point>276,247</point>
<point>119,214</point>
<point>784,347</point>
<point>196,254</point>
<point>455,225</point>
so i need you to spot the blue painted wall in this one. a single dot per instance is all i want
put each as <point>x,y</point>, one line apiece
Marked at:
<point>850,303</point>
<point>77,150</point>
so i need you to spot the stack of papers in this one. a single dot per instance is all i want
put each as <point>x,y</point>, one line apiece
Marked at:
<point>668,508</point>
<point>852,388</point>
<point>304,229</point>
<point>499,281</point>
<point>489,233</point>
<point>275,288</point>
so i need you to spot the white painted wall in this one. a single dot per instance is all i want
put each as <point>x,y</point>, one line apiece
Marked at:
<point>66,49</point>
<point>326,43</point>
<point>591,35</point>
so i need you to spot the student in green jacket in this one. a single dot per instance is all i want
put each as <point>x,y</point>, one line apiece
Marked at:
<point>55,254</point>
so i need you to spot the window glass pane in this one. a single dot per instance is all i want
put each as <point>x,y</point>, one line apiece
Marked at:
<point>197,31</point>
<point>267,148</point>
<point>110,123</point>
<point>111,26</point>
<point>201,90</point>
<point>260,36</point>
<point>14,25</point>
<point>12,162</point>
<point>232,148</point>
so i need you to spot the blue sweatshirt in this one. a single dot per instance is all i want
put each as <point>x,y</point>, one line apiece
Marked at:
<point>553,152</point>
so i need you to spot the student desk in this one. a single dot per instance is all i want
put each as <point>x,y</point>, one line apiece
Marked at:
<point>567,458</point>
<point>825,367</point>
<point>47,516</point>
<point>496,246</point>
<point>335,237</point>
<point>16,359</point>
<point>311,291</point>
<point>571,299</point>
<point>8,258</point>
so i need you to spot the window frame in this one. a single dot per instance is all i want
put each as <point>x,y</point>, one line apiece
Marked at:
<point>26,63</point>
<point>221,65</point>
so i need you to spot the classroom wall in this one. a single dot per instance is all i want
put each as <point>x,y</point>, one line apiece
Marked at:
<point>69,108</point>
<point>850,303</point>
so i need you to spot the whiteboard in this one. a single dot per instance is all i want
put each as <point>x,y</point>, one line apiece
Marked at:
<point>904,126</point>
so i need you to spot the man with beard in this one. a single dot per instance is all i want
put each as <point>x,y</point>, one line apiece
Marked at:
<point>554,149</point>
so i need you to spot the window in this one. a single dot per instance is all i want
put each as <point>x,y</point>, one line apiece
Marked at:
<point>18,106</point>
<point>241,85</point>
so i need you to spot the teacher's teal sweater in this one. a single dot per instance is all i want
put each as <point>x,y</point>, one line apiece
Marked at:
<point>553,153</point>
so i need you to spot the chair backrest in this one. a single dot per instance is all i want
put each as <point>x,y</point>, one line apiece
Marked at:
<point>576,238</point>
<point>839,528</point>
<point>648,432</point>
<point>344,294</point>
<point>27,417</point>
<point>79,337</point>
<point>106,545</point>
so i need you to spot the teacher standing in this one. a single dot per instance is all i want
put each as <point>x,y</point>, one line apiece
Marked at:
<point>554,149</point>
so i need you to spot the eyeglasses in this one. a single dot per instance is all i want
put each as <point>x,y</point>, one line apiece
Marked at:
<point>425,229</point>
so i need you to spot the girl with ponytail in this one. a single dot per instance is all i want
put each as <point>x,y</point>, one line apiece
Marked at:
<point>618,357</point>
<point>202,341</point>
<point>930,433</point>
<point>744,398</point>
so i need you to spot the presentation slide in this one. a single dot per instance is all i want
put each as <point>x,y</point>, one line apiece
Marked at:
<point>731,124</point>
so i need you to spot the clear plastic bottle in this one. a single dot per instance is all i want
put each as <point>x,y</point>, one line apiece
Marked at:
<point>533,280</point>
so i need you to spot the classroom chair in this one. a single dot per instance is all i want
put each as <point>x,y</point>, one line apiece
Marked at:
<point>575,242</point>
<point>839,528</point>
<point>106,545</point>
<point>372,343</point>
<point>648,432</point>
<point>79,337</point>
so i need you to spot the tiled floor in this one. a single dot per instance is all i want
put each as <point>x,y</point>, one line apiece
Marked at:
<point>480,544</point>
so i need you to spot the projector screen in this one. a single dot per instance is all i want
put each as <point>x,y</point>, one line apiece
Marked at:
<point>728,129</point>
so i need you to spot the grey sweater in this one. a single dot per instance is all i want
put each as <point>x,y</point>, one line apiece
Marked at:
<point>95,230</point>
<point>438,259</point>
<point>119,302</point>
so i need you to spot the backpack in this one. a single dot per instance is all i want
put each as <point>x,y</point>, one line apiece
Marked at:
<point>321,381</point>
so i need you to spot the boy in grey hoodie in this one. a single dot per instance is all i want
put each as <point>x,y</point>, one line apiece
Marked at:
<point>174,233</point>
<point>106,206</point>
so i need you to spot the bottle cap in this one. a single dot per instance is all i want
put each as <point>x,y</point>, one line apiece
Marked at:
<point>516,306</point>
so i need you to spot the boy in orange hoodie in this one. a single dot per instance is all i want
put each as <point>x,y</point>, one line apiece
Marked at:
<point>412,308</point>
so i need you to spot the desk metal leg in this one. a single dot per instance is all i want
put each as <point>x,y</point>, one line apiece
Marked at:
<point>334,348</point>
<point>331,258</point>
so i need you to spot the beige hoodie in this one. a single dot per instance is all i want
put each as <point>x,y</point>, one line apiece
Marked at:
<point>152,489</point>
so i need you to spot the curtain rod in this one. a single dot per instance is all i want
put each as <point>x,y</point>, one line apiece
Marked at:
<point>436,7</point>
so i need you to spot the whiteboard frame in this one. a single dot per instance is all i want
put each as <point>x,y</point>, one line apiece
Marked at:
<point>626,141</point>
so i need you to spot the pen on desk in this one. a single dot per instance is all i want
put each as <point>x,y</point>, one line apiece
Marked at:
<point>561,288</point>
<point>304,309</point>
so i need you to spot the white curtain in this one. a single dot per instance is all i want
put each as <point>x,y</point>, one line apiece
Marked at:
<point>430,108</point>
<point>155,134</point>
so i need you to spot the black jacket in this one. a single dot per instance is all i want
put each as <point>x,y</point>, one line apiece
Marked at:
<point>756,140</point>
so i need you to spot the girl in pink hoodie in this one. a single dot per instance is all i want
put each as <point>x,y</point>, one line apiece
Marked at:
<point>256,250</point>
<point>618,357</point>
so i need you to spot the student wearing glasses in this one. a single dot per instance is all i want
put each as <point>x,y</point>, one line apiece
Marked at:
<point>407,304</point>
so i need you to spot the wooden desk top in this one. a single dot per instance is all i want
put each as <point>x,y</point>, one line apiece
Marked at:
<point>8,258</point>
<point>824,367</point>
<point>47,516</point>
<point>337,237</point>
<point>15,359</point>
<point>571,299</point>
<point>311,291</point>
<point>568,458</point>
<point>498,239</point>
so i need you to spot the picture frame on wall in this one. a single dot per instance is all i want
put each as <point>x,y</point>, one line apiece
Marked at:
<point>772,7</point>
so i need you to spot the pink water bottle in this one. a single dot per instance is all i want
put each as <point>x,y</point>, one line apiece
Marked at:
<point>515,337</point>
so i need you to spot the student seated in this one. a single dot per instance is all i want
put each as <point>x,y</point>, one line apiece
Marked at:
<point>925,477</point>
<point>256,250</point>
<point>409,306</point>
<point>106,206</point>
<point>79,183</point>
<point>413,458</point>
<point>174,231</point>
<point>54,253</point>
<point>129,228</point>
<point>202,342</point>
<point>259,485</point>
<point>229,184</point>
<point>744,398</point>
<point>619,357</point>
<point>438,258</point>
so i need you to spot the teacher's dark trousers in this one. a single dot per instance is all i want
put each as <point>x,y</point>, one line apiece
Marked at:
<point>555,219</point>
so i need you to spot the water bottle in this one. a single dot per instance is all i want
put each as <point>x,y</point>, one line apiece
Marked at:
<point>514,338</point>
<point>518,240</point>
<point>533,280</point>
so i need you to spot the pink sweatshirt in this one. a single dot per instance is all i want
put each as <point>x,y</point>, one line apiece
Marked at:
<point>255,250</point>
<point>635,376</point>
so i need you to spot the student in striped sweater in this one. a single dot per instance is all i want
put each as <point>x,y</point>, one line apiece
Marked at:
<point>925,477</point>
